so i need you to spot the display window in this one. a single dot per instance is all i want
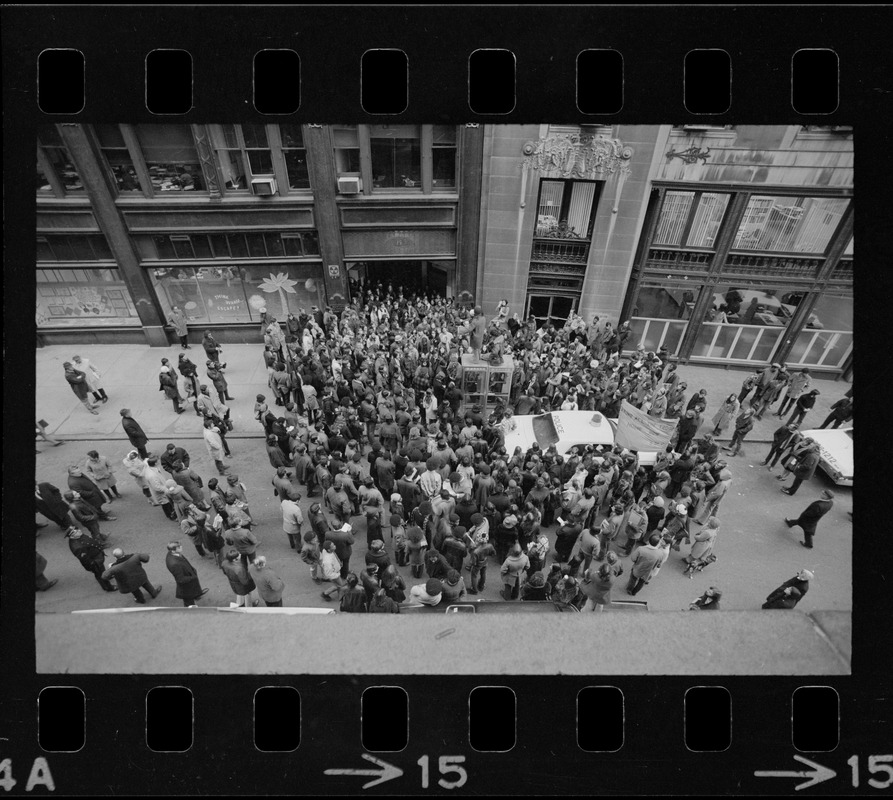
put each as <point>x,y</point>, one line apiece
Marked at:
<point>79,297</point>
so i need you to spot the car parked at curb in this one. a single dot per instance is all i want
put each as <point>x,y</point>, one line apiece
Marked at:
<point>836,453</point>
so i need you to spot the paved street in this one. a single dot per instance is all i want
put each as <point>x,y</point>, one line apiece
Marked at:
<point>755,550</point>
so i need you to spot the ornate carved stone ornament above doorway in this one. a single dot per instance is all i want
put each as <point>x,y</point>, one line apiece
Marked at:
<point>580,155</point>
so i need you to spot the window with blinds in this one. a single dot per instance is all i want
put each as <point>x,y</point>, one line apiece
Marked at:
<point>565,208</point>
<point>690,219</point>
<point>789,224</point>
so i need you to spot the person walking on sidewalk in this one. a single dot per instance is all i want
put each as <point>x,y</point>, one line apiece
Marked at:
<point>78,382</point>
<point>189,589</point>
<point>136,467</point>
<point>177,320</point>
<point>99,470</point>
<point>51,504</point>
<point>841,411</point>
<point>130,576</point>
<point>214,443</point>
<point>799,383</point>
<point>209,343</point>
<point>93,378</point>
<point>215,374</point>
<point>167,383</point>
<point>809,518</point>
<point>134,432</point>
<point>91,555</point>
<point>727,412</point>
<point>190,374</point>
<point>157,484</point>
<point>790,592</point>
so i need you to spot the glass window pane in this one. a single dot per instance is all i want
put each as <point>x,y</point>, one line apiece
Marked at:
<point>229,136</point>
<point>789,224</point>
<point>346,136</point>
<point>64,168</point>
<point>101,247</point>
<point>444,166</point>
<point>255,135</point>
<point>74,298</point>
<point>274,244</point>
<point>292,135</point>
<point>708,218</point>
<point>44,251</point>
<point>750,306</point>
<point>444,134</point>
<point>673,216</point>
<point>261,162</point>
<point>664,302</point>
<point>170,158</point>
<point>347,160</point>
<point>396,156</point>
<point>62,247</point>
<point>237,245</point>
<point>201,246</point>
<point>164,247</point>
<point>219,245</point>
<point>283,289</point>
<point>183,248</point>
<point>109,136</point>
<point>256,247</point>
<point>232,170</point>
<point>296,163</point>
<point>311,243</point>
<point>292,245</point>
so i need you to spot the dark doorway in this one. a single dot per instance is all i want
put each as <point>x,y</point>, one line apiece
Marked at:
<point>422,277</point>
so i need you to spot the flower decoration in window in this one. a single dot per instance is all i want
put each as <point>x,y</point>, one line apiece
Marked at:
<point>279,283</point>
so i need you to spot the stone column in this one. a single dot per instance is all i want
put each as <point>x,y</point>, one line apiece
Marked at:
<point>112,225</point>
<point>471,158</point>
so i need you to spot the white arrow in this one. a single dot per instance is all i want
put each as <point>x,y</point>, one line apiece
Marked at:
<point>387,772</point>
<point>817,774</point>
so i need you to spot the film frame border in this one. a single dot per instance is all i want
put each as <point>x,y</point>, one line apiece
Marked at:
<point>849,33</point>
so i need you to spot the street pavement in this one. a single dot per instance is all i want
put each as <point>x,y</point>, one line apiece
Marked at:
<point>755,550</point>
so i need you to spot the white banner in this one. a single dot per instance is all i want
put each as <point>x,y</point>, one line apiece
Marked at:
<point>637,431</point>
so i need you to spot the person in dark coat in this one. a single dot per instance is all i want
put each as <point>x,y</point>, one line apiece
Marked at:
<point>809,518</point>
<point>134,432</point>
<point>91,555</point>
<point>841,411</point>
<point>804,403</point>
<point>790,592</point>
<point>84,515</point>
<point>89,491</point>
<point>78,382</point>
<point>49,502</point>
<point>240,580</point>
<point>686,428</point>
<point>188,587</point>
<point>709,601</point>
<point>743,426</point>
<point>805,468</point>
<point>343,540</point>
<point>171,455</point>
<point>130,576</point>
<point>780,440</point>
<point>167,383</point>
<point>215,371</point>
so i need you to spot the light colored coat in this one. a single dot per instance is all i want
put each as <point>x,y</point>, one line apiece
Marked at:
<point>214,443</point>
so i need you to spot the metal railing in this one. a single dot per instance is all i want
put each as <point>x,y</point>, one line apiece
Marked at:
<point>686,260</point>
<point>562,251</point>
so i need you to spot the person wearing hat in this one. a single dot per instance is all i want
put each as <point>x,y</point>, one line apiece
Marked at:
<point>804,403</point>
<point>177,320</point>
<point>781,439</point>
<point>84,514</point>
<point>743,425</point>
<point>790,592</point>
<point>809,518</point>
<point>807,460</point>
<point>709,601</point>
<point>134,432</point>
<point>128,572</point>
<point>90,553</point>
<point>798,384</point>
<point>841,411</point>
<point>429,593</point>
<point>78,382</point>
<point>766,376</point>
<point>215,372</point>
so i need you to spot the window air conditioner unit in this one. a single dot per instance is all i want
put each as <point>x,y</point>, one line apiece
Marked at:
<point>263,187</point>
<point>349,184</point>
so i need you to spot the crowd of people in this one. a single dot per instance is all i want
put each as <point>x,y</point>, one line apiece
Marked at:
<point>362,414</point>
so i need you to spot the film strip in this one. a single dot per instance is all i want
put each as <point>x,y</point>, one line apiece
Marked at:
<point>486,704</point>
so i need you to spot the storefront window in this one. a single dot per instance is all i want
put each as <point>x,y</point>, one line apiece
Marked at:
<point>789,224</point>
<point>171,159</point>
<point>60,161</point>
<point>396,156</point>
<point>295,156</point>
<point>827,338</point>
<point>659,317</point>
<point>690,218</point>
<point>232,245</point>
<point>443,156</point>
<point>745,323</point>
<point>78,297</point>
<point>117,156</point>
<point>236,294</point>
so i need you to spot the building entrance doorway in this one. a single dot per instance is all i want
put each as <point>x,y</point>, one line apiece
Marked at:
<point>416,277</point>
<point>555,309</point>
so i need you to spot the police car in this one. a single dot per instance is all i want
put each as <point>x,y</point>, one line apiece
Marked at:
<point>836,453</point>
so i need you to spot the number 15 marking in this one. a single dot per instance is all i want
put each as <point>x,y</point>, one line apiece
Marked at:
<point>446,765</point>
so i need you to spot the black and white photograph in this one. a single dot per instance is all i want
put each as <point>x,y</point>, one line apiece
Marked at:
<point>481,369</point>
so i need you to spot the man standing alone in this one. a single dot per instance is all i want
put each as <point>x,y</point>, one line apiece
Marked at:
<point>131,577</point>
<point>809,518</point>
<point>188,587</point>
<point>134,432</point>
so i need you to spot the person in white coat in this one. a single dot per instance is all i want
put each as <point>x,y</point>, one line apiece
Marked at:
<point>93,377</point>
<point>214,444</point>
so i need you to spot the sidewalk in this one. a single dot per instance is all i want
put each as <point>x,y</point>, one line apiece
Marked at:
<point>130,378</point>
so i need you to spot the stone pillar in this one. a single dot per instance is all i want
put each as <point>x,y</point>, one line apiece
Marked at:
<point>471,161</point>
<point>323,181</point>
<point>113,227</point>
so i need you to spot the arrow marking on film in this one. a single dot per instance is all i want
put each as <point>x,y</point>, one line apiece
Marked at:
<point>386,772</point>
<point>817,774</point>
